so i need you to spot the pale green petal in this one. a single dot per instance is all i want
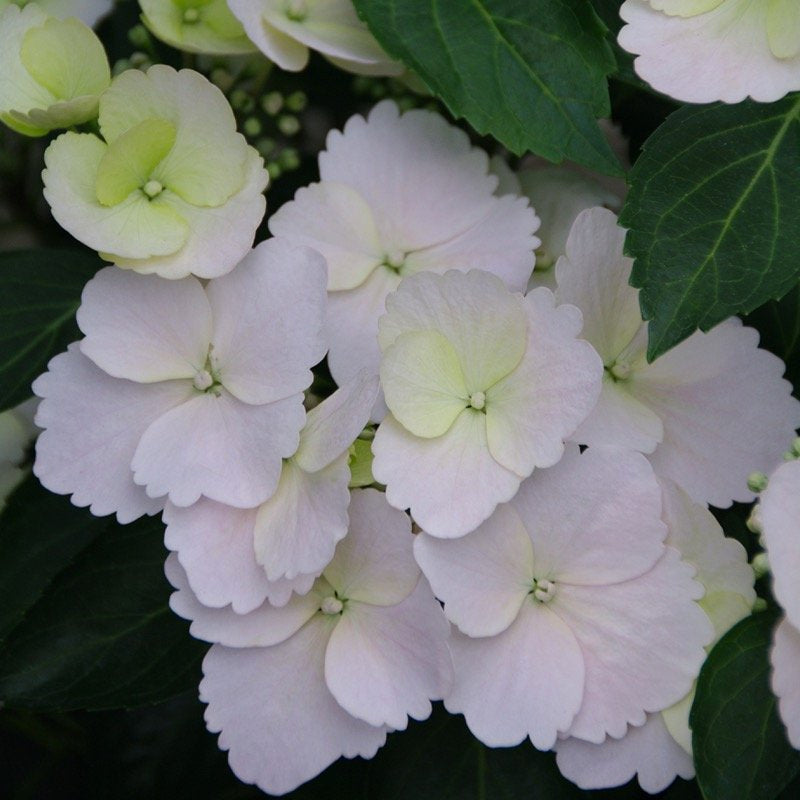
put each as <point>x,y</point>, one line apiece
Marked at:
<point>64,114</point>
<point>783,28</point>
<point>136,228</point>
<point>66,57</point>
<point>130,160</point>
<point>423,382</point>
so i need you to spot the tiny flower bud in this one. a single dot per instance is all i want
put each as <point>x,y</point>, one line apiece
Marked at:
<point>297,10</point>
<point>203,380</point>
<point>477,400</point>
<point>252,126</point>
<point>289,159</point>
<point>760,604</point>
<point>757,482</point>
<point>138,36</point>
<point>331,605</point>
<point>191,15</point>
<point>760,565</point>
<point>288,125</point>
<point>153,189</point>
<point>272,103</point>
<point>754,520</point>
<point>296,101</point>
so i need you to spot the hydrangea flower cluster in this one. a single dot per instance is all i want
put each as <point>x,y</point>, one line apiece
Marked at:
<point>535,547</point>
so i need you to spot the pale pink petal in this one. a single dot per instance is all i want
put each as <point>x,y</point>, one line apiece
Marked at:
<point>93,424</point>
<point>276,717</point>
<point>265,625</point>
<point>594,518</point>
<point>296,530</point>
<point>374,563</point>
<point>419,174</point>
<point>215,445</point>
<point>385,664</point>
<point>484,578</point>
<point>144,328</point>
<point>785,659</point>
<point>726,412</point>
<point>450,483</point>
<point>647,751</point>
<point>333,425</point>
<point>527,681</point>
<point>336,221</point>
<point>780,522</point>
<point>642,641</point>
<point>352,325</point>
<point>723,54</point>
<point>214,544</point>
<point>536,407</point>
<point>268,319</point>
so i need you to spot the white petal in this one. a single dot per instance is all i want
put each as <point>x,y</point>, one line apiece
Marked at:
<point>508,183</point>
<point>93,424</point>
<point>285,51</point>
<point>647,751</point>
<point>484,578</point>
<point>594,518</point>
<point>217,446</point>
<point>220,236</point>
<point>333,425</point>
<point>421,177</point>
<point>214,544</point>
<point>296,530</point>
<point>451,483</point>
<point>780,521</point>
<point>266,625</point>
<point>536,407</point>
<point>785,659</point>
<point>527,681</point>
<point>385,664</point>
<point>643,644</point>
<point>275,714</point>
<point>374,563</point>
<point>352,325</point>
<point>726,412</point>
<point>593,275</point>
<point>721,55</point>
<point>336,221</point>
<point>268,318</point>
<point>145,329</point>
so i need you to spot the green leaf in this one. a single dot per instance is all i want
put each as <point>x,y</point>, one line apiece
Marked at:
<point>713,215</point>
<point>40,291</point>
<point>102,636</point>
<point>532,73</point>
<point>40,534</point>
<point>740,746</point>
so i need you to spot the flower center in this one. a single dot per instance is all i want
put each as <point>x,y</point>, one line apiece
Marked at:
<point>619,370</point>
<point>477,400</point>
<point>394,259</point>
<point>331,605</point>
<point>191,15</point>
<point>203,380</point>
<point>297,10</point>
<point>153,188</point>
<point>543,590</point>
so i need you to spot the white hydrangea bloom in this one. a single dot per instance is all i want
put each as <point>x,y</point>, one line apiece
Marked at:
<point>243,557</point>
<point>699,51</point>
<point>400,194</point>
<point>52,71</point>
<point>661,749</point>
<point>574,617</point>
<point>292,689</point>
<point>88,11</point>
<point>709,412</point>
<point>780,523</point>
<point>284,30</point>
<point>17,431</point>
<point>483,386</point>
<point>197,26</point>
<point>171,188</point>
<point>182,390</point>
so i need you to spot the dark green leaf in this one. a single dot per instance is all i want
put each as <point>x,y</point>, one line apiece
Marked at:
<point>102,635</point>
<point>40,534</point>
<point>713,214</point>
<point>39,293</point>
<point>740,746</point>
<point>532,73</point>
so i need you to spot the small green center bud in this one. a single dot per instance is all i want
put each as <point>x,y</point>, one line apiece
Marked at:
<point>760,565</point>
<point>543,590</point>
<point>756,482</point>
<point>153,189</point>
<point>394,259</point>
<point>191,15</point>
<point>477,400</point>
<point>331,605</point>
<point>203,380</point>
<point>620,370</point>
<point>297,10</point>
